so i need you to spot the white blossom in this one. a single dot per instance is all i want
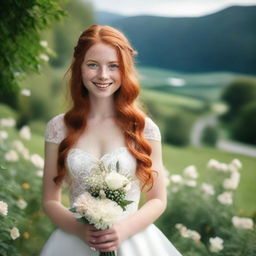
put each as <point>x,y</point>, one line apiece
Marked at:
<point>213,164</point>
<point>25,92</point>
<point>37,160</point>
<point>188,233</point>
<point>223,167</point>
<point>191,172</point>
<point>242,223</point>
<point>25,133</point>
<point>11,156</point>
<point>216,244</point>
<point>236,162</point>
<point>102,213</point>
<point>39,173</point>
<point>225,198</point>
<point>176,178</point>
<point>22,204</point>
<point>44,43</point>
<point>3,135</point>
<point>115,180</point>
<point>7,122</point>
<point>3,208</point>
<point>208,188</point>
<point>18,145</point>
<point>190,183</point>
<point>44,57</point>
<point>15,233</point>
<point>233,181</point>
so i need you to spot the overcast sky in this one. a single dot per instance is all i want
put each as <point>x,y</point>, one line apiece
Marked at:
<point>174,8</point>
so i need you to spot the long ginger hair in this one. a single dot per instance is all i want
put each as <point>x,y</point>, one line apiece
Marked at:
<point>129,116</point>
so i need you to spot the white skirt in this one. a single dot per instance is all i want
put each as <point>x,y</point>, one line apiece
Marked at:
<point>149,242</point>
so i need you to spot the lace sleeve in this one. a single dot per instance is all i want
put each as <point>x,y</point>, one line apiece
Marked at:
<point>55,130</point>
<point>151,130</point>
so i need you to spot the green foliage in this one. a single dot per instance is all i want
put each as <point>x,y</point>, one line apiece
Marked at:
<point>210,135</point>
<point>201,211</point>
<point>20,49</point>
<point>20,179</point>
<point>177,129</point>
<point>244,126</point>
<point>237,94</point>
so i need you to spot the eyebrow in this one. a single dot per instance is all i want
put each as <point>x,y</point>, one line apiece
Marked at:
<point>108,62</point>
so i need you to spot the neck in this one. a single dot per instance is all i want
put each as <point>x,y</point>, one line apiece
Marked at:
<point>101,108</point>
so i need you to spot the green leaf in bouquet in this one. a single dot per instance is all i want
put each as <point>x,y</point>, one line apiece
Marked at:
<point>124,203</point>
<point>83,220</point>
<point>117,166</point>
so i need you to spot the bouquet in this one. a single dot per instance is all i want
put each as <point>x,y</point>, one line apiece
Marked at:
<point>103,203</point>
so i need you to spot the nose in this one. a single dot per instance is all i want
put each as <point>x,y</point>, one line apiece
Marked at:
<point>103,73</point>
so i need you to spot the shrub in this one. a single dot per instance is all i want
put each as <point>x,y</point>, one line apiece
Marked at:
<point>209,136</point>
<point>245,125</point>
<point>200,218</point>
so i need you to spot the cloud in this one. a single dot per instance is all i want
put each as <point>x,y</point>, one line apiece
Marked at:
<point>167,7</point>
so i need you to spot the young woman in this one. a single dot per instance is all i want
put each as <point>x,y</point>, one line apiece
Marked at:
<point>104,124</point>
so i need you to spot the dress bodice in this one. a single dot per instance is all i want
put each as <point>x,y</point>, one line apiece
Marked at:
<point>79,162</point>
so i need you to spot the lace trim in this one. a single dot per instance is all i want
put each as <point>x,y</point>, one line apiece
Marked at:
<point>151,130</point>
<point>56,130</point>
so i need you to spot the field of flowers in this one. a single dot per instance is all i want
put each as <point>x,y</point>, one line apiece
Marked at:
<point>202,216</point>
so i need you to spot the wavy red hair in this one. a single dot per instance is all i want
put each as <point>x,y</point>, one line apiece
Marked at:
<point>129,115</point>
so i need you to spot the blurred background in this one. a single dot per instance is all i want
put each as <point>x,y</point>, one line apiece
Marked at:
<point>197,68</point>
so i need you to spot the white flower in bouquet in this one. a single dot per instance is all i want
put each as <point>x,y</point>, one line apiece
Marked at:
<point>176,178</point>
<point>37,160</point>
<point>242,223</point>
<point>11,156</point>
<point>216,244</point>
<point>22,204</point>
<point>14,233</point>
<point>225,198</point>
<point>191,172</point>
<point>3,208</point>
<point>102,213</point>
<point>115,180</point>
<point>208,189</point>
<point>25,133</point>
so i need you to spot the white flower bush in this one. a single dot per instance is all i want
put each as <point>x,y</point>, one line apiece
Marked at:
<point>242,223</point>
<point>25,133</point>
<point>3,208</point>
<point>216,244</point>
<point>203,212</point>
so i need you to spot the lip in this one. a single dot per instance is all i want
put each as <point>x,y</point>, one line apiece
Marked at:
<point>102,88</point>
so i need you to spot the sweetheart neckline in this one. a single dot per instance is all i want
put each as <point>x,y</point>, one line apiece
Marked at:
<point>102,157</point>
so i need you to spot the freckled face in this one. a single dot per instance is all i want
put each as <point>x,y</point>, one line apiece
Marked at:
<point>100,71</point>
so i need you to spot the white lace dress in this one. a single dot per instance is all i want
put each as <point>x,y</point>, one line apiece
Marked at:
<point>149,242</point>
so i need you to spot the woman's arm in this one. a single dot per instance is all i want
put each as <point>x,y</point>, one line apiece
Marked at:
<point>51,199</point>
<point>156,198</point>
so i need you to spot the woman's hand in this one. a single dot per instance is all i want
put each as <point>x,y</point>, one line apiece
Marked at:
<point>107,240</point>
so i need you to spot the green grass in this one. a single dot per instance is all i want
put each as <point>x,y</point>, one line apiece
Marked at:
<point>177,158</point>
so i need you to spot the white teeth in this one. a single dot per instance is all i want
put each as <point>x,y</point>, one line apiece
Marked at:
<point>102,85</point>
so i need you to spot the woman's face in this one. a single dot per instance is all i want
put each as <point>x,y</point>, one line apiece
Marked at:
<point>100,70</point>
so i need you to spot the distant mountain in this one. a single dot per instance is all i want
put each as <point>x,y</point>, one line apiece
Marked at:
<point>223,41</point>
<point>106,18</point>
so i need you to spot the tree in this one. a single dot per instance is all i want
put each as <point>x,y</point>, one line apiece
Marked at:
<point>22,22</point>
<point>237,94</point>
<point>245,126</point>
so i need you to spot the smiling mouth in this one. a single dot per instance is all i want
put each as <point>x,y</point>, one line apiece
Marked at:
<point>102,85</point>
